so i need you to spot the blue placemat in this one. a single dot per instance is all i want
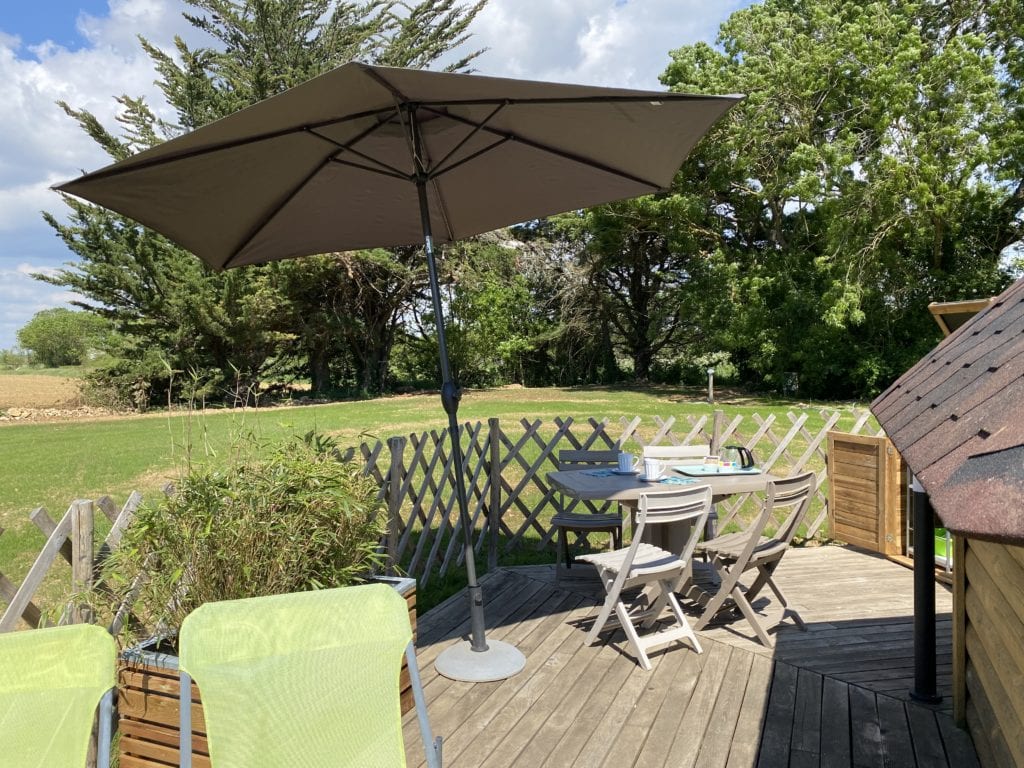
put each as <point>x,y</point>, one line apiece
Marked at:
<point>599,472</point>
<point>699,470</point>
<point>677,481</point>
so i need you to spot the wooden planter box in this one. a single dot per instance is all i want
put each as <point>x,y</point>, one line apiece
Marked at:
<point>147,702</point>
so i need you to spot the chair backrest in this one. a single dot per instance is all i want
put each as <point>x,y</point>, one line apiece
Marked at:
<point>308,679</point>
<point>672,452</point>
<point>793,493</point>
<point>691,503</point>
<point>51,681</point>
<point>578,459</point>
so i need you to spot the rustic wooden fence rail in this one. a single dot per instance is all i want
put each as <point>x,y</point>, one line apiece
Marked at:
<point>72,538</point>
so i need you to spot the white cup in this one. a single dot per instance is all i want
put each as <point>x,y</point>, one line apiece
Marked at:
<point>628,462</point>
<point>653,469</point>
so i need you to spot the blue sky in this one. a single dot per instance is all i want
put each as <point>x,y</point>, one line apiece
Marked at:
<point>36,21</point>
<point>84,52</point>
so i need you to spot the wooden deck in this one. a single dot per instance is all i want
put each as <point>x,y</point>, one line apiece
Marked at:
<point>833,696</point>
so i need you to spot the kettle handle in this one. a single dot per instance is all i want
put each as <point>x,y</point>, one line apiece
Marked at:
<point>746,457</point>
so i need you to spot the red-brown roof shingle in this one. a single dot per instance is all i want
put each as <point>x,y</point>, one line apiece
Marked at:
<point>956,417</point>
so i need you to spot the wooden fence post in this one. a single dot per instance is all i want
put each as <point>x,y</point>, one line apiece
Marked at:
<point>396,446</point>
<point>494,508</point>
<point>716,433</point>
<point>711,526</point>
<point>82,518</point>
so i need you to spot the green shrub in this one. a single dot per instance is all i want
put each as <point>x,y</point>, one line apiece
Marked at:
<point>296,519</point>
<point>61,336</point>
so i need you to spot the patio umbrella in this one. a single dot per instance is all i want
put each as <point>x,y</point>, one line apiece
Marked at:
<point>367,156</point>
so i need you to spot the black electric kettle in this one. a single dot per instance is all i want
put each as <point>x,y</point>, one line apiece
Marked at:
<point>737,454</point>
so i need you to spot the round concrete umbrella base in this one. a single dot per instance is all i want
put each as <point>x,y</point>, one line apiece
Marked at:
<point>461,662</point>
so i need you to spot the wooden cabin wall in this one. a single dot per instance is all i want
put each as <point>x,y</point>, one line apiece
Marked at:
<point>990,682</point>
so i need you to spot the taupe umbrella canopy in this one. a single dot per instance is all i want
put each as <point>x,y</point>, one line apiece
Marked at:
<point>327,166</point>
<point>365,157</point>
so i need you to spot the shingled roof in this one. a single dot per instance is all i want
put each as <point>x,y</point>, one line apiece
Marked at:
<point>957,417</point>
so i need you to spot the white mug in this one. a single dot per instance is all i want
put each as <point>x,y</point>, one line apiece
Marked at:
<point>627,462</point>
<point>653,469</point>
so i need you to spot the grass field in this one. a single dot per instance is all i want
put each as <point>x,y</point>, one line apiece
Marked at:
<point>50,464</point>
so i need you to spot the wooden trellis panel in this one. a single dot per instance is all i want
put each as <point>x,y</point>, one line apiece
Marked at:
<point>510,500</point>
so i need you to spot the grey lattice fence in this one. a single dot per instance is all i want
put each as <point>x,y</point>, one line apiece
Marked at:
<point>507,463</point>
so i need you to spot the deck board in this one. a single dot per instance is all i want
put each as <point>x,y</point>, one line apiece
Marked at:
<point>833,696</point>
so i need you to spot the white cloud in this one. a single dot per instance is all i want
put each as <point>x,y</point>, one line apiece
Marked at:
<point>599,42</point>
<point>42,145</point>
<point>21,297</point>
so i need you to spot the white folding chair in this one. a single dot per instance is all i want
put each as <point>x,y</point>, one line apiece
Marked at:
<point>670,453</point>
<point>733,554</point>
<point>684,454</point>
<point>657,570</point>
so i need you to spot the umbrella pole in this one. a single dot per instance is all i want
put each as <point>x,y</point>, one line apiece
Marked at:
<point>450,396</point>
<point>476,660</point>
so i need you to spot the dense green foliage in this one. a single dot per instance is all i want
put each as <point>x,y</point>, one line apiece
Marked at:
<point>269,522</point>
<point>876,164</point>
<point>59,336</point>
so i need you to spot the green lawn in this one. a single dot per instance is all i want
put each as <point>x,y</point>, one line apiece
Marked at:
<point>49,465</point>
<point>64,371</point>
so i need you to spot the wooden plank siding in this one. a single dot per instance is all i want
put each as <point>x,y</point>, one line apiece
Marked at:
<point>993,638</point>
<point>733,706</point>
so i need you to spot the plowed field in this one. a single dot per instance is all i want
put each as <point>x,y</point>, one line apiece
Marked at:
<point>29,391</point>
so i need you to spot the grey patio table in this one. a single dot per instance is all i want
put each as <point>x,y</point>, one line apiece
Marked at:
<point>626,489</point>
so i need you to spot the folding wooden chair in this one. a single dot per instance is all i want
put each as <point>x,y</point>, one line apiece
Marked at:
<point>51,682</point>
<point>582,523</point>
<point>684,454</point>
<point>659,571</point>
<point>307,679</point>
<point>733,554</point>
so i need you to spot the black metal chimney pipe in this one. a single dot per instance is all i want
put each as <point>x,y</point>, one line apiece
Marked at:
<point>924,689</point>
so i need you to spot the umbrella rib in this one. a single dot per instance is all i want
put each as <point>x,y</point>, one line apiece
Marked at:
<point>371,169</point>
<point>347,147</point>
<point>476,129</point>
<point>441,171</point>
<point>156,162</point>
<point>510,136</point>
<point>259,227</point>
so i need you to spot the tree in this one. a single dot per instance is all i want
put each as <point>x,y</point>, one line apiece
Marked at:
<point>875,165</point>
<point>235,327</point>
<point>492,320</point>
<point>347,309</point>
<point>61,337</point>
<point>655,282</point>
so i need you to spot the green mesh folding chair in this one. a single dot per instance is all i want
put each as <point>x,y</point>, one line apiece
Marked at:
<point>307,679</point>
<point>51,681</point>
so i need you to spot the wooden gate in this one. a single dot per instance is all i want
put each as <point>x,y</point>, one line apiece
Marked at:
<point>866,505</point>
